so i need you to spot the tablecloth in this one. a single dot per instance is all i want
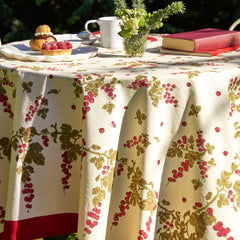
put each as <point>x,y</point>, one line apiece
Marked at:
<point>121,148</point>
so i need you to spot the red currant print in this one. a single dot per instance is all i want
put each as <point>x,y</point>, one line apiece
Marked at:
<point>184,199</point>
<point>139,83</point>
<point>2,215</point>
<point>113,124</point>
<point>198,204</point>
<point>87,230</point>
<point>22,148</point>
<point>93,218</point>
<point>230,196</point>
<point>120,169</point>
<point>233,82</point>
<point>184,124</point>
<point>130,66</point>
<point>45,140</point>
<point>235,90</point>
<point>88,99</point>
<point>203,168</point>
<point>101,130</point>
<point>97,75</point>
<point>232,105</point>
<point>167,95</point>
<point>225,153</point>
<point>168,225</point>
<point>105,169</point>
<point>210,211</point>
<point>109,90</point>
<point>33,110</point>
<point>179,172</point>
<point>189,84</point>
<point>28,191</point>
<point>218,93</point>
<point>66,167</point>
<point>6,82</point>
<point>124,205</point>
<point>221,231</point>
<point>135,141</point>
<point>77,80</point>
<point>142,235</point>
<point>237,172</point>
<point>148,223</point>
<point>214,64</point>
<point>200,142</point>
<point>217,129</point>
<point>84,154</point>
<point>73,107</point>
<point>7,108</point>
<point>156,195</point>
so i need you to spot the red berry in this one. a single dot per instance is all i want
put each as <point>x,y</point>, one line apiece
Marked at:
<point>61,45</point>
<point>54,46</point>
<point>68,45</point>
<point>215,227</point>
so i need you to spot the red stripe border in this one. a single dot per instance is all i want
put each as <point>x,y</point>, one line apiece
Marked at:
<point>40,227</point>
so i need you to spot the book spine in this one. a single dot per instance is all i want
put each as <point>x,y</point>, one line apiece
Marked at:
<point>217,42</point>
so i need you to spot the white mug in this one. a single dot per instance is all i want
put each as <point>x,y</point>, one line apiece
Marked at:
<point>109,28</point>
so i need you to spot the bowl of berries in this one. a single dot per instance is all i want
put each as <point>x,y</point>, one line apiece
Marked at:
<point>56,48</point>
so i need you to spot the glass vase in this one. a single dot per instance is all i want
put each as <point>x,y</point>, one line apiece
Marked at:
<point>135,46</point>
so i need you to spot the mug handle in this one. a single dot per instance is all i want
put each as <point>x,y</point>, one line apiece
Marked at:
<point>87,30</point>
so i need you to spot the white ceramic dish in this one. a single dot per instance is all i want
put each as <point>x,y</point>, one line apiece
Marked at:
<point>22,51</point>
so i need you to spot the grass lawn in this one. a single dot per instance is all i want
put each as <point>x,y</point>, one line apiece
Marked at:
<point>60,237</point>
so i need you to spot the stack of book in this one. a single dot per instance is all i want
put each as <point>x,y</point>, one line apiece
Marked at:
<point>202,42</point>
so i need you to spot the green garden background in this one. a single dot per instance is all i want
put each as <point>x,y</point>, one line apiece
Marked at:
<point>19,18</point>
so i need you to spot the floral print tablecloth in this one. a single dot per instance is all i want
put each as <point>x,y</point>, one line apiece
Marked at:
<point>121,148</point>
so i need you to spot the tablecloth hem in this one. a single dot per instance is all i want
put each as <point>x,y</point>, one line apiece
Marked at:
<point>40,227</point>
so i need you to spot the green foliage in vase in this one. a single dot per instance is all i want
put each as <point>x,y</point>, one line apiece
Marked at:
<point>137,18</point>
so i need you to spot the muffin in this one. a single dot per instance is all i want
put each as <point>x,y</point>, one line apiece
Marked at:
<point>43,33</point>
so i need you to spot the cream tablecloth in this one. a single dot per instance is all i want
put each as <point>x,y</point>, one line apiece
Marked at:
<point>121,148</point>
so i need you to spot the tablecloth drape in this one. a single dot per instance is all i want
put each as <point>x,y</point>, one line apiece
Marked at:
<point>121,148</point>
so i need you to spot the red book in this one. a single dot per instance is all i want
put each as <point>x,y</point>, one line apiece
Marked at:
<point>201,40</point>
<point>207,53</point>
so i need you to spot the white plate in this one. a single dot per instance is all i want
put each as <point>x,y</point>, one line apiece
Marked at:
<point>22,51</point>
